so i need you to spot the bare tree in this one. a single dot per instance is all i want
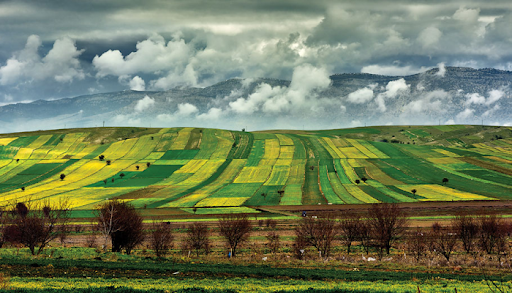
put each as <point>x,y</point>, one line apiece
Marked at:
<point>273,242</point>
<point>366,236</point>
<point>467,229</point>
<point>350,227</point>
<point>122,223</point>
<point>417,243</point>
<point>198,238</point>
<point>90,240</point>
<point>36,225</point>
<point>387,223</point>
<point>235,229</point>
<point>319,233</point>
<point>161,238</point>
<point>492,232</point>
<point>444,240</point>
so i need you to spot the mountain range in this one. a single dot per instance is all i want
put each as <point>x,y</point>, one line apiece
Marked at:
<point>437,96</point>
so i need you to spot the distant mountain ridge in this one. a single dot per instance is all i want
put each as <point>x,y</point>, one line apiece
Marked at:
<point>431,97</point>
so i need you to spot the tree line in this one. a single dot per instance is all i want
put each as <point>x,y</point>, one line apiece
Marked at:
<point>378,229</point>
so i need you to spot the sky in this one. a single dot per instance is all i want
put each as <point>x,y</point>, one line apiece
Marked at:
<point>55,49</point>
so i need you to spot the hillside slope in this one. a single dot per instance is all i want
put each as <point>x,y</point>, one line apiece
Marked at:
<point>209,171</point>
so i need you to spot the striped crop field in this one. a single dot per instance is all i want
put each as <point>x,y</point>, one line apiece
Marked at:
<point>221,171</point>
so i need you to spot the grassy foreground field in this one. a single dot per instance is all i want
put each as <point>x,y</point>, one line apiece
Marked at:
<point>86,270</point>
<point>190,173</point>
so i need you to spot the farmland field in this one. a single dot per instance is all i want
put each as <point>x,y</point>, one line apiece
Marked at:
<point>211,169</point>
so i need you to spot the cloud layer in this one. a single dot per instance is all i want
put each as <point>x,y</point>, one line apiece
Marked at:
<point>53,50</point>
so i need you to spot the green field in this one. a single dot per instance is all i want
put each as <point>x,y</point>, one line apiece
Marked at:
<point>176,168</point>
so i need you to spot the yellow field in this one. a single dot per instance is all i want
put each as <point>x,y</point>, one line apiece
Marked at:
<point>181,141</point>
<point>39,141</point>
<point>23,153</point>
<point>500,160</point>
<point>351,174</point>
<point>340,142</point>
<point>362,149</point>
<point>375,173</point>
<point>222,202</point>
<point>39,154</point>
<point>284,140</point>
<point>254,174</point>
<point>64,146</point>
<point>192,166</point>
<point>86,198</point>
<point>205,172</point>
<point>434,192</point>
<point>272,149</point>
<point>331,148</point>
<point>187,201</point>
<point>279,175</point>
<point>373,149</point>
<point>297,172</point>
<point>143,147</point>
<point>7,140</point>
<point>446,153</point>
<point>352,152</point>
<point>355,163</point>
<point>4,163</point>
<point>359,194</point>
<point>154,156</point>
<point>286,152</point>
<point>444,161</point>
<point>224,144</point>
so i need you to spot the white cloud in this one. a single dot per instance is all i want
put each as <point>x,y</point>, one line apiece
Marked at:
<point>442,70</point>
<point>450,122</point>
<point>144,104</point>
<point>61,63</point>
<point>491,111</point>
<point>466,15</point>
<point>494,96</point>
<point>186,109</point>
<point>467,113</point>
<point>177,77</point>
<point>137,84</point>
<point>361,96</point>
<point>126,120</point>
<point>355,123</point>
<point>152,55</point>
<point>391,70</point>
<point>301,95</point>
<point>393,89</point>
<point>434,101</point>
<point>429,36</point>
<point>477,99</point>
<point>254,101</point>
<point>212,114</point>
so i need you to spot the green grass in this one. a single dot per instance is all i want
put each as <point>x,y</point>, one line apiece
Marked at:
<point>258,150</point>
<point>179,154</point>
<point>266,195</point>
<point>158,171</point>
<point>23,141</point>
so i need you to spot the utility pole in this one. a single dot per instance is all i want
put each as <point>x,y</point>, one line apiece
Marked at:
<point>103,123</point>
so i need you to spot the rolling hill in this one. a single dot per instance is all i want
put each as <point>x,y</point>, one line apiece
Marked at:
<point>212,171</point>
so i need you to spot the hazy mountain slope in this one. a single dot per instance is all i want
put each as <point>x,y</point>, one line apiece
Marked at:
<point>459,95</point>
